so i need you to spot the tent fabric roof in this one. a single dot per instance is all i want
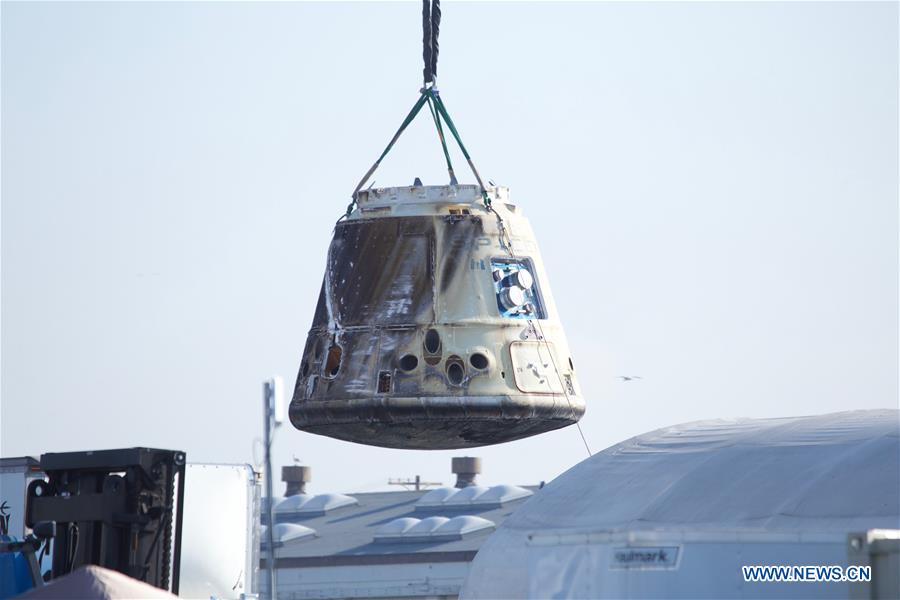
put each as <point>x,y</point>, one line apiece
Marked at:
<point>823,475</point>
<point>95,583</point>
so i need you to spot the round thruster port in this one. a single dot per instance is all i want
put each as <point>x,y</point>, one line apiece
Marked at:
<point>408,362</point>
<point>431,347</point>
<point>456,370</point>
<point>479,361</point>
<point>432,341</point>
<point>512,297</point>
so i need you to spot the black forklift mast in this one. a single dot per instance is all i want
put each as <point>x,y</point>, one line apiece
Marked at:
<point>113,508</point>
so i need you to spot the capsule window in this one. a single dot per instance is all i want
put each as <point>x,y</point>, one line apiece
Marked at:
<point>333,361</point>
<point>478,361</point>
<point>304,370</point>
<point>384,382</point>
<point>432,341</point>
<point>408,362</point>
<point>571,364</point>
<point>518,294</point>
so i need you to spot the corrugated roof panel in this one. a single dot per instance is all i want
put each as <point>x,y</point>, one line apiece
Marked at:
<point>350,530</point>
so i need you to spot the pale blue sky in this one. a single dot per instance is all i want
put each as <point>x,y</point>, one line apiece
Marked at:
<point>713,185</point>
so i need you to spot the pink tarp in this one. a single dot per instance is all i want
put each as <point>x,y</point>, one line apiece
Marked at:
<point>92,582</point>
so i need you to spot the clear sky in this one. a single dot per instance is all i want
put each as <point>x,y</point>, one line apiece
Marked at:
<point>713,185</point>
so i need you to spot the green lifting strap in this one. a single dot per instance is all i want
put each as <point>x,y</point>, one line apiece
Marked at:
<point>409,119</point>
<point>440,132</point>
<point>439,103</point>
<point>438,111</point>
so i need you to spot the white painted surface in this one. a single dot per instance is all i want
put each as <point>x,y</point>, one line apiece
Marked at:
<point>220,538</point>
<point>378,581</point>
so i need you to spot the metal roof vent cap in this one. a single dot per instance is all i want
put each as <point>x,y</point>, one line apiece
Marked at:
<point>296,477</point>
<point>466,468</point>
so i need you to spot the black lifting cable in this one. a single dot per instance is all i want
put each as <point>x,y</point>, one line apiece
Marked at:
<point>431,24</point>
<point>431,28</point>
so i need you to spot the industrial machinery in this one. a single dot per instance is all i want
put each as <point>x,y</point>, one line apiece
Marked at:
<point>119,509</point>
<point>435,326</point>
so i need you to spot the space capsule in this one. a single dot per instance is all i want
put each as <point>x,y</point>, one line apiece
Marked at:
<point>435,327</point>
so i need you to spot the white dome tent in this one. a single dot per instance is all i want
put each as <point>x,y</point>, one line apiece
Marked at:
<point>677,512</point>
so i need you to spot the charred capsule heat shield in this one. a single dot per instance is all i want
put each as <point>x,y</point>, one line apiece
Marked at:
<point>435,327</point>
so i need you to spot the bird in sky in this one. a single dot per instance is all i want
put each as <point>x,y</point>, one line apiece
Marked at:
<point>629,377</point>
